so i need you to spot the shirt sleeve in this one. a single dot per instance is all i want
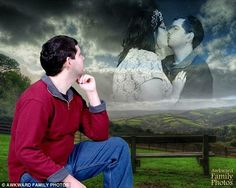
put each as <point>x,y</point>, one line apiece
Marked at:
<point>31,128</point>
<point>95,122</point>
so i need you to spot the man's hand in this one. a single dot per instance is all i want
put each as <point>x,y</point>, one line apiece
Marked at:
<point>88,84</point>
<point>73,183</point>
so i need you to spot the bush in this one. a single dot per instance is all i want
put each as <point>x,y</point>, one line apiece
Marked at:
<point>233,142</point>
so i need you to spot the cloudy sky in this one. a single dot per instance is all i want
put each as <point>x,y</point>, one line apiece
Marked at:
<point>99,26</point>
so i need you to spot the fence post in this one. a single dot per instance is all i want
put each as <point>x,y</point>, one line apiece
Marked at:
<point>133,153</point>
<point>205,161</point>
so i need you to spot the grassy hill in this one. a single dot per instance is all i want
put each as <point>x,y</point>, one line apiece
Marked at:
<point>220,122</point>
<point>153,173</point>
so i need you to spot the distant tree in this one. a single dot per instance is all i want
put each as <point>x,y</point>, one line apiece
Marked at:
<point>233,130</point>
<point>8,64</point>
<point>12,83</point>
<point>233,142</point>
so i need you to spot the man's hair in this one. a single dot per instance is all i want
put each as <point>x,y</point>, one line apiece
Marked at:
<point>54,53</point>
<point>140,33</point>
<point>192,24</point>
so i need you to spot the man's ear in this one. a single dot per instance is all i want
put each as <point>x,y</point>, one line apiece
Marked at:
<point>190,37</point>
<point>67,62</point>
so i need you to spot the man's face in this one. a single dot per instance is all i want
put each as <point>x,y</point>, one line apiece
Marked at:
<point>78,62</point>
<point>177,34</point>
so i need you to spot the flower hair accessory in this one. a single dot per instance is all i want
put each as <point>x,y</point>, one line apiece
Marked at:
<point>156,18</point>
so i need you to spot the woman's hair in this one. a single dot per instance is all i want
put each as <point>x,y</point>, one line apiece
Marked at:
<point>54,53</point>
<point>140,32</point>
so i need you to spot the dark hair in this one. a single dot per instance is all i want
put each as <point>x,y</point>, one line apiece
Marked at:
<point>54,53</point>
<point>140,33</point>
<point>192,24</point>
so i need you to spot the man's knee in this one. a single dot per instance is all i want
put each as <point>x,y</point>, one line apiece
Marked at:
<point>119,142</point>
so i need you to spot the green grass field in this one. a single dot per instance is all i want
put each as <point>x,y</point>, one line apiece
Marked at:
<point>153,173</point>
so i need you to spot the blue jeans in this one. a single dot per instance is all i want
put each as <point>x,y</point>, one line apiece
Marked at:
<point>112,157</point>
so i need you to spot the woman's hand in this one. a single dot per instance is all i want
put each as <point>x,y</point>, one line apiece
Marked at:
<point>178,84</point>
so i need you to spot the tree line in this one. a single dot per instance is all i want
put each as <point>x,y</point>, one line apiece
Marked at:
<point>12,84</point>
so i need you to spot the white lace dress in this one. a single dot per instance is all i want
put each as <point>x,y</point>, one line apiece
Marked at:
<point>138,67</point>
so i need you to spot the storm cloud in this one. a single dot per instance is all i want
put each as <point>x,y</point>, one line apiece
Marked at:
<point>26,21</point>
<point>99,27</point>
<point>101,20</point>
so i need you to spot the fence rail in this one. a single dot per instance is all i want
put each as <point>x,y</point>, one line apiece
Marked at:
<point>203,156</point>
<point>5,127</point>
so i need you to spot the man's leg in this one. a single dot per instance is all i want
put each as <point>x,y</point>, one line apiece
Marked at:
<point>112,157</point>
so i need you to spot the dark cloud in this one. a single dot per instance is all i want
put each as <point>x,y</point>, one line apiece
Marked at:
<point>17,25</point>
<point>41,8</point>
<point>101,19</point>
<point>106,20</point>
<point>26,20</point>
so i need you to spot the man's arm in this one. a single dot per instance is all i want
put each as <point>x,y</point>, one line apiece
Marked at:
<point>88,84</point>
<point>31,129</point>
<point>95,121</point>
